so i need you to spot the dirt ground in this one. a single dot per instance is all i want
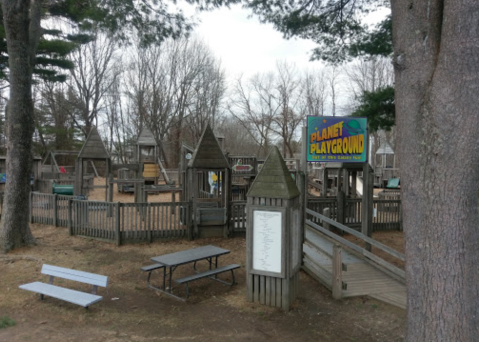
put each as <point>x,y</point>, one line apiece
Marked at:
<point>131,311</point>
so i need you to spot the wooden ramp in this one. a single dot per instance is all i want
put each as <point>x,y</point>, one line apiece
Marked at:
<point>360,276</point>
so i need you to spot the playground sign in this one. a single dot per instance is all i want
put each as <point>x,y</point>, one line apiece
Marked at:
<point>240,167</point>
<point>337,139</point>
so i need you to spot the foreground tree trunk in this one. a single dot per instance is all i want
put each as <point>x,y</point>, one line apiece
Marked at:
<point>436,59</point>
<point>22,25</point>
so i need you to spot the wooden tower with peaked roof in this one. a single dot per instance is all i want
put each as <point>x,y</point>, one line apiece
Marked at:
<point>92,150</point>
<point>208,178</point>
<point>147,155</point>
<point>274,235</point>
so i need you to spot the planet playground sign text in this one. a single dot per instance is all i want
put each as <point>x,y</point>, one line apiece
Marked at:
<point>337,139</point>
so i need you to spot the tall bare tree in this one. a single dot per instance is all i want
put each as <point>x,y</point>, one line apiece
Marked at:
<point>271,106</point>
<point>315,92</point>
<point>292,113</point>
<point>174,89</point>
<point>333,79</point>
<point>255,107</point>
<point>370,75</point>
<point>92,79</point>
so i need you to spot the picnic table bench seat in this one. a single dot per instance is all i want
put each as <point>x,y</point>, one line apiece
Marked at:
<point>209,274</point>
<point>72,296</point>
<point>149,269</point>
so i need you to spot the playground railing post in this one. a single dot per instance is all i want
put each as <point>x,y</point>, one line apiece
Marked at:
<point>70,216</point>
<point>55,210</point>
<point>148,223</point>
<point>189,223</point>
<point>117,224</point>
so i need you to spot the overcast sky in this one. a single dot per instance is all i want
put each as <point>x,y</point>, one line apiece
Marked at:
<point>245,46</point>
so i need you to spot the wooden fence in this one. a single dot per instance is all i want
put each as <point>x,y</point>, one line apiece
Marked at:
<point>116,222</point>
<point>144,222</point>
<point>386,212</point>
<point>237,224</point>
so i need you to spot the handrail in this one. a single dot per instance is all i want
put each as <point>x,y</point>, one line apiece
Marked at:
<point>361,236</point>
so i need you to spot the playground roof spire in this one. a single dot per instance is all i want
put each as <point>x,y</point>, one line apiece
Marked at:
<point>208,154</point>
<point>146,138</point>
<point>274,180</point>
<point>93,147</point>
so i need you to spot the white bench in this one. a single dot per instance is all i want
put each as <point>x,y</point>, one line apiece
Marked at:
<point>72,296</point>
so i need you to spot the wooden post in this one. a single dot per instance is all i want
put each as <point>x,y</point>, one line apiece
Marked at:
<point>354,184</point>
<point>367,204</point>
<point>337,285</point>
<point>70,216</point>
<point>324,189</point>
<point>110,188</point>
<point>117,224</point>
<point>345,184</point>
<point>55,210</point>
<point>173,200</point>
<point>226,186</point>
<point>341,201</point>
<point>148,223</point>
<point>327,213</point>
<point>79,176</point>
<point>189,225</point>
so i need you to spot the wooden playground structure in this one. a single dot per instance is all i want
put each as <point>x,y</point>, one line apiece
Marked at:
<point>212,188</point>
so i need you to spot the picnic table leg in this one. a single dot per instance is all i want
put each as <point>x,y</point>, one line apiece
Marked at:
<point>164,278</point>
<point>216,265</point>
<point>169,278</point>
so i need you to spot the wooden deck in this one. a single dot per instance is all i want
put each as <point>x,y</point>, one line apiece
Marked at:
<point>360,277</point>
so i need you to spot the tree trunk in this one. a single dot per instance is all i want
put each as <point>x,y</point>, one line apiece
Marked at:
<point>22,25</point>
<point>436,59</point>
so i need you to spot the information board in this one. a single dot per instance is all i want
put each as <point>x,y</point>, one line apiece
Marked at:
<point>267,241</point>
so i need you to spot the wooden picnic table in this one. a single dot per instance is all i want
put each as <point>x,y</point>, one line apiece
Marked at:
<point>169,263</point>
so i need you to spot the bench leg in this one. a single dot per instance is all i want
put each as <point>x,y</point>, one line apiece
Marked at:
<point>214,277</point>
<point>225,282</point>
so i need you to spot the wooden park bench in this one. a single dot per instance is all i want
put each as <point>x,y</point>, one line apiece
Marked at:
<point>72,296</point>
<point>209,274</point>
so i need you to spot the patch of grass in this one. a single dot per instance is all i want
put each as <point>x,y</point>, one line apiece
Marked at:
<point>6,322</point>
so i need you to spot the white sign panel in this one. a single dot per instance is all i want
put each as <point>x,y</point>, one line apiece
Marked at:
<point>267,241</point>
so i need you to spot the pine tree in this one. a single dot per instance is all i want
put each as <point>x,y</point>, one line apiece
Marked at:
<point>22,19</point>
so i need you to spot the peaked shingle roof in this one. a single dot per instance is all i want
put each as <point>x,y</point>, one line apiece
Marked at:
<point>146,138</point>
<point>208,154</point>
<point>385,148</point>
<point>93,147</point>
<point>274,180</point>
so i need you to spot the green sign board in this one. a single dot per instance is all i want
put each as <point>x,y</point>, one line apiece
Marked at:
<point>337,139</point>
